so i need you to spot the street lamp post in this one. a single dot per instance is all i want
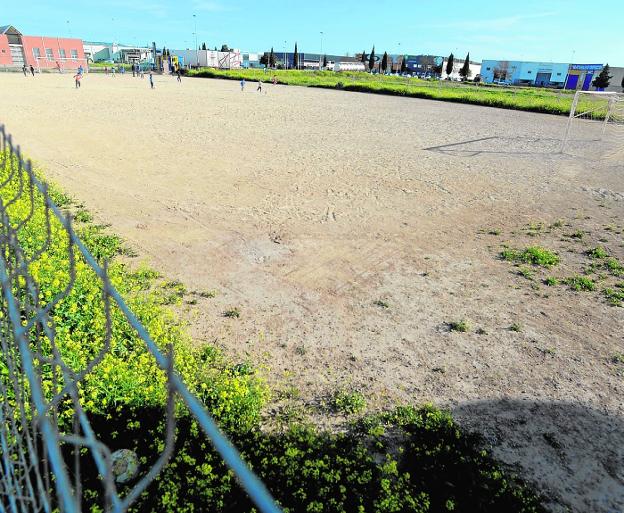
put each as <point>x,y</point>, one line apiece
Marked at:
<point>565,85</point>
<point>285,61</point>
<point>321,55</point>
<point>195,34</point>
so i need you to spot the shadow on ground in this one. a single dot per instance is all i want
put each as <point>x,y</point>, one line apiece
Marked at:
<point>577,148</point>
<point>573,453</point>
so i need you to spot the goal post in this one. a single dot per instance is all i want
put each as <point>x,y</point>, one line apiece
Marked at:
<point>61,64</point>
<point>603,108</point>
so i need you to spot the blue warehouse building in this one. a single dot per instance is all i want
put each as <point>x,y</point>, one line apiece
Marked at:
<point>541,74</point>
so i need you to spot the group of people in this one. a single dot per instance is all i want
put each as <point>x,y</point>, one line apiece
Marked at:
<point>259,88</point>
<point>78,76</point>
<point>136,72</point>
<point>25,69</point>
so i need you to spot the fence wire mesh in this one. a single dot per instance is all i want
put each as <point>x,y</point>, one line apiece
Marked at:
<point>42,461</point>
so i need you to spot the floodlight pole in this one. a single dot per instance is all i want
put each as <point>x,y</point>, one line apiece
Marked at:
<point>321,54</point>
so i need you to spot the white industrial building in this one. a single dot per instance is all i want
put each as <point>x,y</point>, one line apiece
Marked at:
<point>97,51</point>
<point>210,59</point>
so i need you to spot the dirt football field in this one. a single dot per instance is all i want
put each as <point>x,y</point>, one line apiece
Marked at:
<point>351,231</point>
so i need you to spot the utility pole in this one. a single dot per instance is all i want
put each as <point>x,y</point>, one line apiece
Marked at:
<point>321,54</point>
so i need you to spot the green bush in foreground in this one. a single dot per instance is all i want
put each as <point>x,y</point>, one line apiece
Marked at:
<point>410,460</point>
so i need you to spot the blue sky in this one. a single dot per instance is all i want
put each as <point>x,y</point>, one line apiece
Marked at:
<point>546,30</point>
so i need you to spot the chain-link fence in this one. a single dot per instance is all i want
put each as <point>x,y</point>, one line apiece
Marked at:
<point>42,456</point>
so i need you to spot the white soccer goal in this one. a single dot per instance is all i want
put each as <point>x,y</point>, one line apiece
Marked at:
<point>66,64</point>
<point>596,116</point>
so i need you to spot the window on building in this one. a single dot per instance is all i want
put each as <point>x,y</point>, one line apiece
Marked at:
<point>62,53</point>
<point>36,53</point>
<point>74,54</point>
<point>49,54</point>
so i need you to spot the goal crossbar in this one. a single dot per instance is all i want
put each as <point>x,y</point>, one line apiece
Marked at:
<point>65,63</point>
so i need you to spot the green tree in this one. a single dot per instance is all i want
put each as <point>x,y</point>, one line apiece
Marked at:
<point>225,48</point>
<point>449,64</point>
<point>403,64</point>
<point>622,84</point>
<point>384,62</point>
<point>603,80</point>
<point>465,72</point>
<point>272,59</point>
<point>203,46</point>
<point>296,57</point>
<point>264,60</point>
<point>324,61</point>
<point>371,59</point>
<point>364,59</point>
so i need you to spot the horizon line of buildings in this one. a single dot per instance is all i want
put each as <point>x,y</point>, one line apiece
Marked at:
<point>17,50</point>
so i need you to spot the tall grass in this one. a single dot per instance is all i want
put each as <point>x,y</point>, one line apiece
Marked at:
<point>527,99</point>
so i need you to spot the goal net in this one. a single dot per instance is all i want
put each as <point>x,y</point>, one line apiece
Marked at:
<point>61,64</point>
<point>596,117</point>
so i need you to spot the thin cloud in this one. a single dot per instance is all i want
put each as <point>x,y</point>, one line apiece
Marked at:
<point>502,23</point>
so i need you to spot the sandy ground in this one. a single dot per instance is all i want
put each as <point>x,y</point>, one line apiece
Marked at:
<point>304,207</point>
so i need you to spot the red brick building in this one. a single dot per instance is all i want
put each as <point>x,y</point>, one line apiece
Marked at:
<point>41,52</point>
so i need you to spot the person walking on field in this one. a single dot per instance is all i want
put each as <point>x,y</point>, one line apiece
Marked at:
<point>179,75</point>
<point>25,70</point>
<point>32,70</point>
<point>259,86</point>
<point>113,71</point>
<point>151,80</point>
<point>78,78</point>
<point>242,83</point>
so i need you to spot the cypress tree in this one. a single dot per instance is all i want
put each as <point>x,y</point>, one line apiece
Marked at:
<point>296,58</point>
<point>324,61</point>
<point>203,46</point>
<point>403,64</point>
<point>272,59</point>
<point>622,84</point>
<point>449,64</point>
<point>371,59</point>
<point>465,72</point>
<point>364,59</point>
<point>603,80</point>
<point>384,62</point>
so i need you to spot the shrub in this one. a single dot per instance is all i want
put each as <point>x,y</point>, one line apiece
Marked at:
<point>348,402</point>
<point>534,255</point>
<point>598,252</point>
<point>551,281</point>
<point>462,326</point>
<point>581,283</point>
